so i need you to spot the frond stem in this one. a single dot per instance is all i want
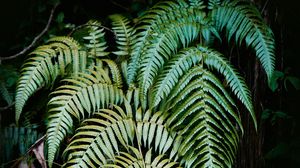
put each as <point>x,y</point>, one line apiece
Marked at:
<point>94,25</point>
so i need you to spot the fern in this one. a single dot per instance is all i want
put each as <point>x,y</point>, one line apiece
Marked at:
<point>176,107</point>
<point>99,137</point>
<point>5,94</point>
<point>81,94</point>
<point>237,84</point>
<point>124,32</point>
<point>171,73</point>
<point>245,22</point>
<point>104,136</point>
<point>16,139</point>
<point>162,45</point>
<point>95,41</point>
<point>149,22</point>
<point>48,62</point>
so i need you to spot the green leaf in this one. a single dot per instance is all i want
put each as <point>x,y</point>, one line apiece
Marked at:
<point>273,82</point>
<point>294,81</point>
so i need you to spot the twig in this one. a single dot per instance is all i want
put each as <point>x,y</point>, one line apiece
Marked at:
<point>37,38</point>
<point>36,143</point>
<point>119,5</point>
<point>87,25</point>
<point>266,3</point>
<point>7,107</point>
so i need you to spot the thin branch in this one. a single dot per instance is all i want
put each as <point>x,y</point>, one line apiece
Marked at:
<point>36,143</point>
<point>36,39</point>
<point>265,5</point>
<point>119,5</point>
<point>7,107</point>
<point>87,25</point>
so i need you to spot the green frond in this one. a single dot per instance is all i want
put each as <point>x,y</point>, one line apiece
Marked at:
<point>5,94</point>
<point>164,12</point>
<point>237,84</point>
<point>199,4</point>
<point>83,94</point>
<point>48,61</point>
<point>95,42</point>
<point>116,74</point>
<point>245,22</point>
<point>162,45</point>
<point>37,72</point>
<point>124,34</point>
<point>97,140</point>
<point>132,96</point>
<point>8,79</point>
<point>153,132</point>
<point>134,158</point>
<point>15,139</point>
<point>200,109</point>
<point>202,134</point>
<point>176,67</point>
<point>213,3</point>
<point>183,82</point>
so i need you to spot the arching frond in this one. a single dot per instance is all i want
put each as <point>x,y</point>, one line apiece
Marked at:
<point>95,42</point>
<point>5,93</point>
<point>176,67</point>
<point>124,34</point>
<point>237,84</point>
<point>152,131</point>
<point>163,12</point>
<point>115,72</point>
<point>45,65</point>
<point>97,140</point>
<point>162,45</point>
<point>200,118</point>
<point>245,22</point>
<point>83,94</point>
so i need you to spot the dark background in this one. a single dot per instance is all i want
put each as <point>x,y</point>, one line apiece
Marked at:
<point>22,20</point>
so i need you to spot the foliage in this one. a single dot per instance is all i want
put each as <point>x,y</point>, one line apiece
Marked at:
<point>8,80</point>
<point>160,98</point>
<point>16,140</point>
<point>285,78</point>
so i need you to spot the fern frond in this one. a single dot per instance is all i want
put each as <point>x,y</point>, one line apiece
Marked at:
<point>163,12</point>
<point>5,94</point>
<point>199,4</point>
<point>16,139</point>
<point>151,128</point>
<point>95,41</point>
<point>172,72</point>
<point>189,82</point>
<point>97,140</point>
<point>85,93</point>
<point>47,62</point>
<point>37,72</point>
<point>207,119</point>
<point>124,34</point>
<point>162,45</point>
<point>116,74</point>
<point>245,22</point>
<point>134,158</point>
<point>237,84</point>
<point>213,3</point>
